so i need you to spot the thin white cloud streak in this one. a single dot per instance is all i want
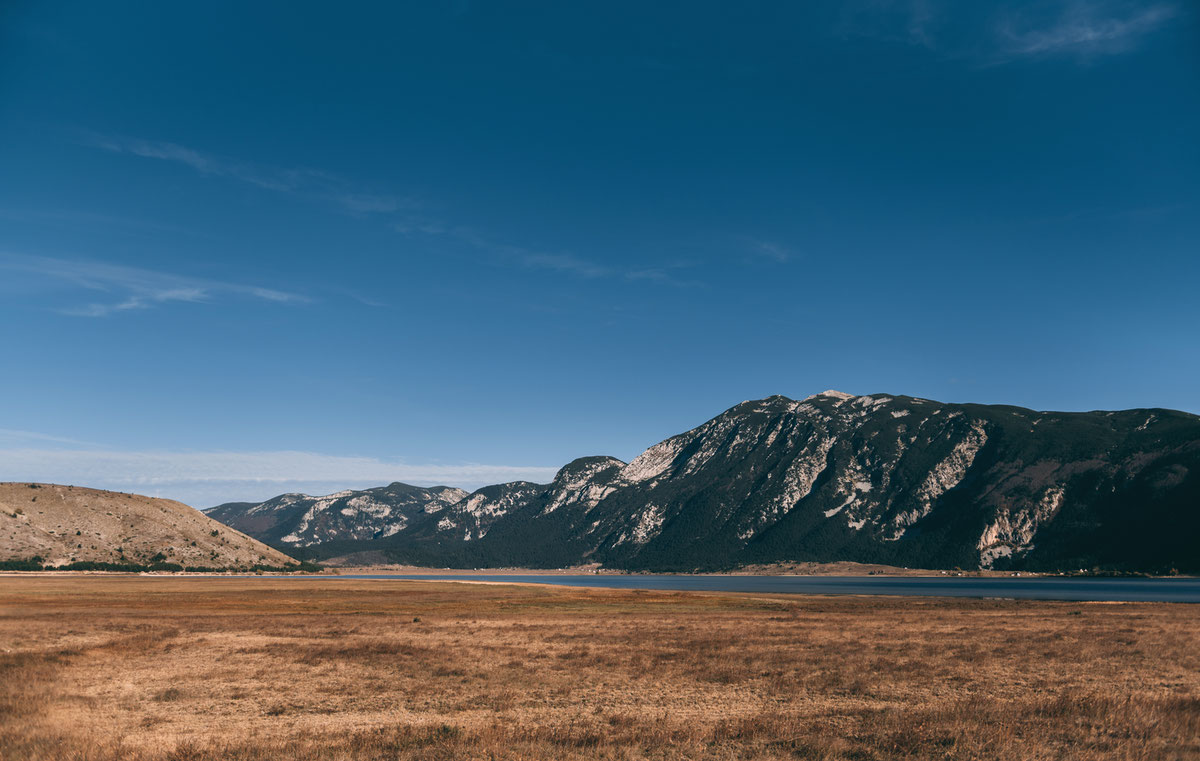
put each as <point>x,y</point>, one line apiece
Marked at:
<point>134,288</point>
<point>770,250</point>
<point>1086,28</point>
<point>10,434</point>
<point>563,263</point>
<point>193,477</point>
<point>331,189</point>
<point>913,22</point>
<point>958,31</point>
<point>663,275</point>
<point>59,216</point>
<point>313,184</point>
<point>518,255</point>
<point>360,203</point>
<point>920,17</point>
<point>202,163</point>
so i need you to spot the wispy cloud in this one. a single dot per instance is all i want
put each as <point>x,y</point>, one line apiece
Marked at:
<point>562,262</point>
<point>914,22</point>
<point>10,435</point>
<point>362,298</point>
<point>1083,28</point>
<point>666,274</point>
<point>410,224</point>
<point>565,263</point>
<point>404,213</point>
<point>57,217</point>
<point>770,250</point>
<point>921,16</point>
<point>367,203</point>
<point>201,162</point>
<point>309,183</point>
<point>132,288</point>
<point>202,479</point>
<point>509,254</point>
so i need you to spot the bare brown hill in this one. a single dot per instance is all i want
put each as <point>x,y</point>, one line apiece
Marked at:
<point>63,524</point>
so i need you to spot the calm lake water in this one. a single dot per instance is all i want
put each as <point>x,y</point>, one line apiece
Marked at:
<point>1055,588</point>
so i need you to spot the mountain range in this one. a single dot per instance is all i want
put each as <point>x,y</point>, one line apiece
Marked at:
<point>879,478</point>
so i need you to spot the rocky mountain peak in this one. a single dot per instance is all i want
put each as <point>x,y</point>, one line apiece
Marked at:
<point>586,467</point>
<point>831,394</point>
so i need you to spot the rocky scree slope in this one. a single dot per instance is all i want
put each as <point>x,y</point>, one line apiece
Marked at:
<point>873,479</point>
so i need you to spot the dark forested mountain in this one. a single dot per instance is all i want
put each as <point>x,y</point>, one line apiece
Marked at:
<point>885,479</point>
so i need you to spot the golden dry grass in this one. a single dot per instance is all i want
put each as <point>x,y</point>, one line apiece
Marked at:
<point>105,668</point>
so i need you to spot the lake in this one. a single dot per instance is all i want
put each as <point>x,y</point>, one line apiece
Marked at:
<point>1045,588</point>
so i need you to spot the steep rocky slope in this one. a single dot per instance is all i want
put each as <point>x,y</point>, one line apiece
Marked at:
<point>301,520</point>
<point>62,524</point>
<point>877,478</point>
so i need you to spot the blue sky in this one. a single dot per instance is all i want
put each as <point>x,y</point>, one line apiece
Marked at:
<point>254,248</point>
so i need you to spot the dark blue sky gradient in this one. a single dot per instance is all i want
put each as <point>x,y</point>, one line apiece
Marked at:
<point>511,234</point>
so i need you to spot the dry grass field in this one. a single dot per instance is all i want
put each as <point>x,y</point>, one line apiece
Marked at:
<point>141,669</point>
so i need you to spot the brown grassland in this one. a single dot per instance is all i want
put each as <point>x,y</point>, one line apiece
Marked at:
<point>182,669</point>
